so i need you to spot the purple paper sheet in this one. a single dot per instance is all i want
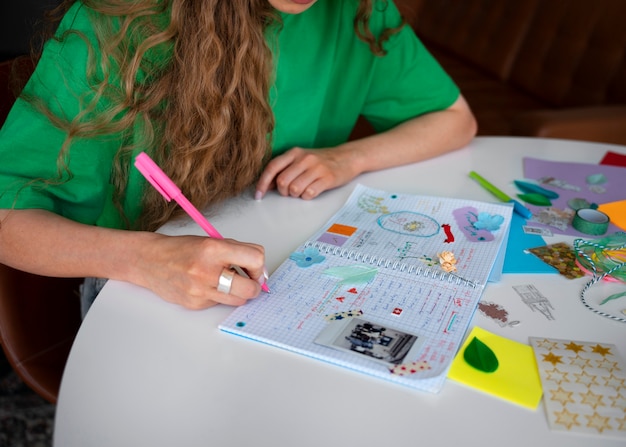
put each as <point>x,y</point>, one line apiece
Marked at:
<point>594,183</point>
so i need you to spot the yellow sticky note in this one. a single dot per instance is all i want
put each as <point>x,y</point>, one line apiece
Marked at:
<point>516,379</point>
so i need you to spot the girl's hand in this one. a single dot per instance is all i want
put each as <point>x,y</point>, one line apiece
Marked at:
<point>305,173</point>
<point>186,269</point>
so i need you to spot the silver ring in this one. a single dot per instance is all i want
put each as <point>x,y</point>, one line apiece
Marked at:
<point>226,281</point>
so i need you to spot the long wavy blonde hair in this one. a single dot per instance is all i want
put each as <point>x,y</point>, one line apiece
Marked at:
<point>204,114</point>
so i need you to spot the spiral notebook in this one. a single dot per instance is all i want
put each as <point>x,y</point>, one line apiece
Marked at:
<point>369,292</point>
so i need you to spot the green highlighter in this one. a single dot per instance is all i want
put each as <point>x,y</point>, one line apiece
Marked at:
<point>517,206</point>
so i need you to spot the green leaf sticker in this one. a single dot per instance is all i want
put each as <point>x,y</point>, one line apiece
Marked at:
<point>480,356</point>
<point>535,199</point>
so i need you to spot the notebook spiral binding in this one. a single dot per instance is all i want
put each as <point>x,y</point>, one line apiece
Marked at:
<point>388,263</point>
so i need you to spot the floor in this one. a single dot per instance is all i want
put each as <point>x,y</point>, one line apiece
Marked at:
<point>26,420</point>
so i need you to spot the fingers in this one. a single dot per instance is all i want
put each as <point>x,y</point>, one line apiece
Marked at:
<point>196,272</point>
<point>298,173</point>
<point>235,289</point>
<point>267,180</point>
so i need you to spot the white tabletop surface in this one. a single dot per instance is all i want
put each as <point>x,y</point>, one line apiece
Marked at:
<point>143,372</point>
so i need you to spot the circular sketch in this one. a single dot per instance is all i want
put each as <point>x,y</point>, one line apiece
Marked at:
<point>409,223</point>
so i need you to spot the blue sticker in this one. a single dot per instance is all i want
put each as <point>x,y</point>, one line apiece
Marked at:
<point>307,258</point>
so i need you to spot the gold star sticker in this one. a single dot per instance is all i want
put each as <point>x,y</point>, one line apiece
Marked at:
<point>598,422</point>
<point>556,376</point>
<point>622,423</point>
<point>598,349</point>
<point>554,359</point>
<point>562,396</point>
<point>585,379</point>
<point>580,362</point>
<point>574,347</point>
<point>567,419</point>
<point>615,382</point>
<point>619,401</point>
<point>606,364</point>
<point>591,399</point>
<point>546,344</point>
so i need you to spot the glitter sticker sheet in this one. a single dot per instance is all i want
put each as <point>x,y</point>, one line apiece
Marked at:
<point>367,292</point>
<point>584,386</point>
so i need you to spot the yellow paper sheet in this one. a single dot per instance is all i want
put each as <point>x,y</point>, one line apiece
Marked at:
<point>516,379</point>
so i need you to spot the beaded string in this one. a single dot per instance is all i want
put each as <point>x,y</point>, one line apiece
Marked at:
<point>606,260</point>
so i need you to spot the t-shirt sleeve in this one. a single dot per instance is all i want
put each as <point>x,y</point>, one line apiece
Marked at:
<point>407,81</point>
<point>30,143</point>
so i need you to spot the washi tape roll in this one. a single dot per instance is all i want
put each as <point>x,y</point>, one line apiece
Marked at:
<point>590,221</point>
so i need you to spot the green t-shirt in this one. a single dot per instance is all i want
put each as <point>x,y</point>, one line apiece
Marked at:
<point>325,78</point>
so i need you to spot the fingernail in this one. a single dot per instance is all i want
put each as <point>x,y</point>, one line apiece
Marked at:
<point>263,279</point>
<point>258,195</point>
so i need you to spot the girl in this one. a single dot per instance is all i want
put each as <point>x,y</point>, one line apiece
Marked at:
<point>224,95</point>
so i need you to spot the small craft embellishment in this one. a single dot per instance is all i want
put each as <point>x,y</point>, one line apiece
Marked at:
<point>447,261</point>
<point>343,315</point>
<point>467,219</point>
<point>595,182</point>
<point>497,313</point>
<point>307,258</point>
<point>488,222</point>
<point>534,299</point>
<point>560,256</point>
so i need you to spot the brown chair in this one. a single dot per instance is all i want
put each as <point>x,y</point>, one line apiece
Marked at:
<point>39,319</point>
<point>13,73</point>
<point>39,316</point>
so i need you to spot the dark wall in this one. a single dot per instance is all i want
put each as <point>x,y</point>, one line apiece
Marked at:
<point>18,19</point>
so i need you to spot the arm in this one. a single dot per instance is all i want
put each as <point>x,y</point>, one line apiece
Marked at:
<point>182,270</point>
<point>307,173</point>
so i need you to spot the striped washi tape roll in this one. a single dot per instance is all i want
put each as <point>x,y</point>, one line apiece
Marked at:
<point>590,221</point>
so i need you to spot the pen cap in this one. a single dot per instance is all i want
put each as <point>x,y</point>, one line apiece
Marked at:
<point>156,176</point>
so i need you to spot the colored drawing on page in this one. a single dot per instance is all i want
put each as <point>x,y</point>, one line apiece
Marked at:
<point>409,223</point>
<point>372,204</point>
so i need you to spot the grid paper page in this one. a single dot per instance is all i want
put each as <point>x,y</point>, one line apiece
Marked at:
<point>393,314</point>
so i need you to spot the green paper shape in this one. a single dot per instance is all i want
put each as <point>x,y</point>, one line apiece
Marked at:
<point>352,274</point>
<point>535,199</point>
<point>480,356</point>
<point>613,297</point>
<point>532,188</point>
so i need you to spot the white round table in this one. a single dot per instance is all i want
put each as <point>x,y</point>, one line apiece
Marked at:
<point>143,372</point>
